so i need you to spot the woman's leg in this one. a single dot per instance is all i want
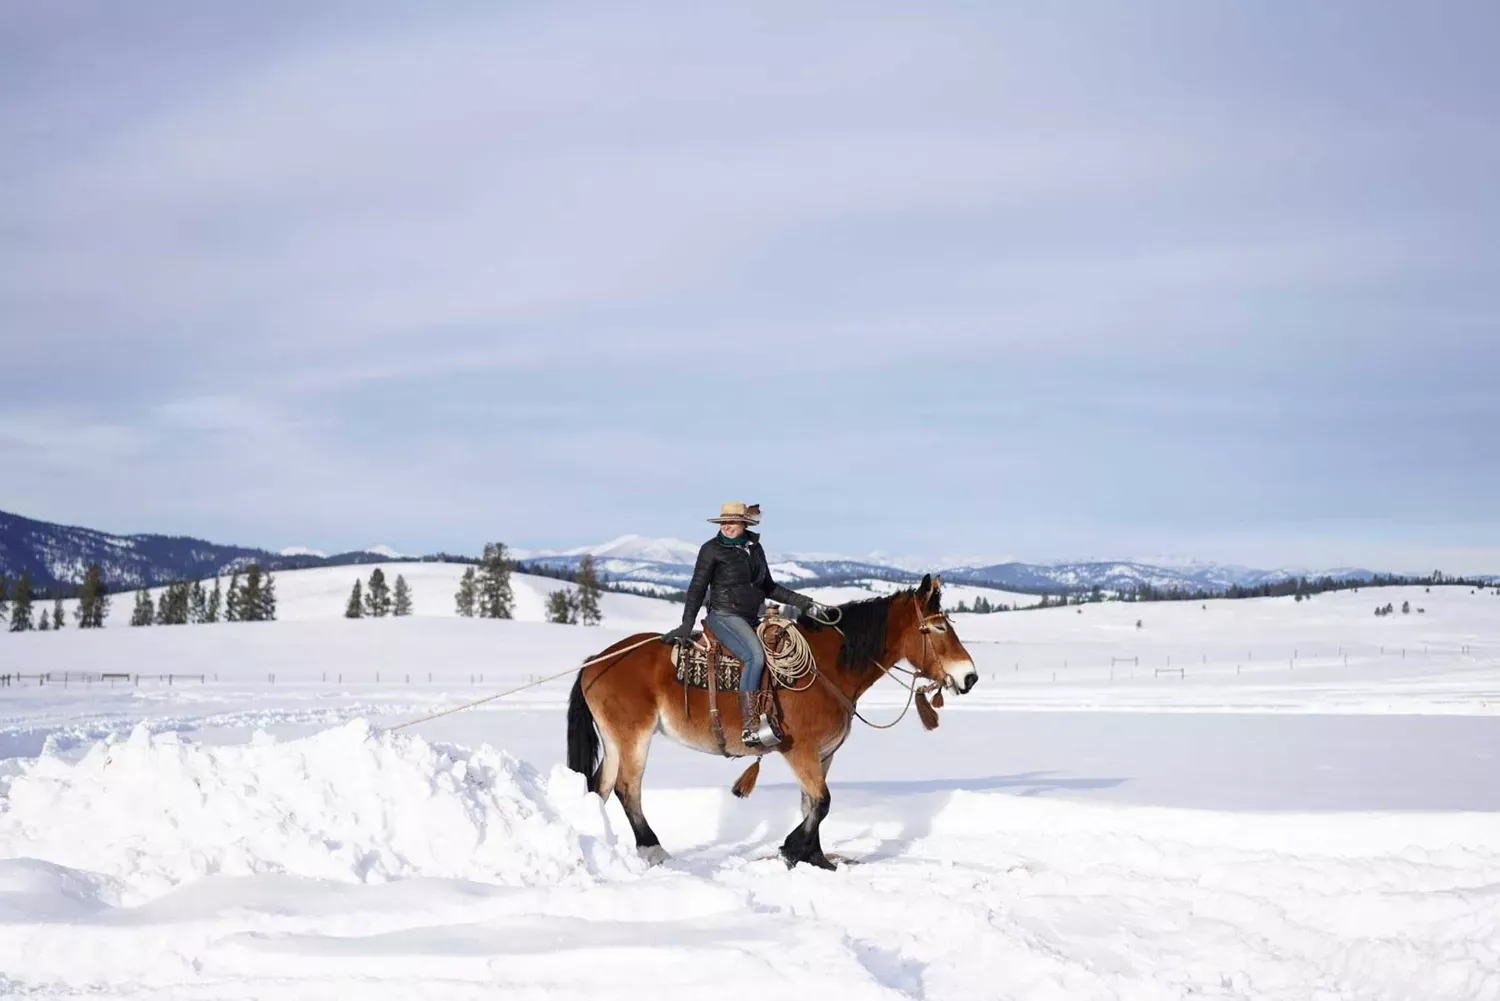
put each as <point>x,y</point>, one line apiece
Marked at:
<point>739,636</point>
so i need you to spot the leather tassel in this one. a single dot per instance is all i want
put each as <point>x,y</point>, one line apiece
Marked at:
<point>745,784</point>
<point>926,712</point>
<point>937,700</point>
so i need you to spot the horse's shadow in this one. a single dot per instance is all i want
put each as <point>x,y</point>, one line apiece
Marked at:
<point>864,811</point>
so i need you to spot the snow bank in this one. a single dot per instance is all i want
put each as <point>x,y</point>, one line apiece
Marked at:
<point>147,813</point>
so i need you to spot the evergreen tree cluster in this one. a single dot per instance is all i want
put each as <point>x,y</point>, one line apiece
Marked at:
<point>599,581</point>
<point>580,604</point>
<point>187,602</point>
<point>562,606</point>
<point>981,606</point>
<point>493,597</point>
<point>1293,586</point>
<point>19,604</point>
<point>23,608</point>
<point>376,599</point>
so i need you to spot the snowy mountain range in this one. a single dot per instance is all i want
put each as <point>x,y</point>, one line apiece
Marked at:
<point>670,562</point>
<point>59,554</point>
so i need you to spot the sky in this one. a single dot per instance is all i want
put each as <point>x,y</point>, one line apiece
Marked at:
<point>949,282</point>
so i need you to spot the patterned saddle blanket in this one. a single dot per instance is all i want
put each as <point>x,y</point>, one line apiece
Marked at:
<point>691,660</point>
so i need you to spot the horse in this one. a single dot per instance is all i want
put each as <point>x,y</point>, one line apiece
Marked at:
<point>627,699</point>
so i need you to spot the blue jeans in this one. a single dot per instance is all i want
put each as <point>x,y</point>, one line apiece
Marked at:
<point>739,636</point>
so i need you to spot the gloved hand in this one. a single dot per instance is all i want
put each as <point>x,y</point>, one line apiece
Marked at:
<point>677,635</point>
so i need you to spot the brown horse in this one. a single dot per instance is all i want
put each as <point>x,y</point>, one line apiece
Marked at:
<point>629,698</point>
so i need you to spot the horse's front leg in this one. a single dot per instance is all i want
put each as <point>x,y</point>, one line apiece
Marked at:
<point>803,844</point>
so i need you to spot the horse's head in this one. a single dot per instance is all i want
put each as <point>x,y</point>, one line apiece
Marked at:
<point>929,643</point>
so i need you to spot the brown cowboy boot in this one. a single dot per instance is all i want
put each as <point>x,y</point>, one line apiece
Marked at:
<point>748,719</point>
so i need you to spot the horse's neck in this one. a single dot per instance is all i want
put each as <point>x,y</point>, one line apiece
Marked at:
<point>856,679</point>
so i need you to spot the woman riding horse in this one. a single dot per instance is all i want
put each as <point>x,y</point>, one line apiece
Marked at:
<point>733,571</point>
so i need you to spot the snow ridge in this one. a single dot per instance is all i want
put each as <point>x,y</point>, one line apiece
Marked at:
<point>348,804</point>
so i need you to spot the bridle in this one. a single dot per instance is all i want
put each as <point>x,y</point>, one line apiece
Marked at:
<point>926,624</point>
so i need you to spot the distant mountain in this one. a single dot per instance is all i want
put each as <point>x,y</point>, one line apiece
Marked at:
<point>1125,576</point>
<point>59,555</point>
<point>669,562</point>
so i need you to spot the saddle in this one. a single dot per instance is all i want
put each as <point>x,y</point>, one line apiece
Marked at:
<point>706,663</point>
<point>693,661</point>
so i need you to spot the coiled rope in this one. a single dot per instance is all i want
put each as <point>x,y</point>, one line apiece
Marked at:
<point>789,656</point>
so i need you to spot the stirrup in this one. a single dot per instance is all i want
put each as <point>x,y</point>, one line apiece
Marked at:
<point>764,735</point>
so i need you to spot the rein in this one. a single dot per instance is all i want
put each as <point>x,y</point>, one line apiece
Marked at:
<point>924,626</point>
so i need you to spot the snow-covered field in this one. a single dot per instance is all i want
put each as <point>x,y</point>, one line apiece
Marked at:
<point>1214,804</point>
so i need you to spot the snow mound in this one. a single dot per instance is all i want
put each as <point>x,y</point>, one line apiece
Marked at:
<point>147,813</point>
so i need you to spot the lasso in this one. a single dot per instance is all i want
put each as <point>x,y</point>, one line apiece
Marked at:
<point>789,656</point>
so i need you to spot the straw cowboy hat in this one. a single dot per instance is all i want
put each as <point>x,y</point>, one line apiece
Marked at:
<point>748,514</point>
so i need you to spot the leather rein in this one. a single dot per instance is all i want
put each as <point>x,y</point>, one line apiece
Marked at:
<point>924,626</point>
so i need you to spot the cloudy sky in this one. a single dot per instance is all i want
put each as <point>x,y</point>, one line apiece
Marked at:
<point>967,280</point>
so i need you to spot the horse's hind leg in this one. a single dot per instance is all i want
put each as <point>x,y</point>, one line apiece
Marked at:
<point>803,844</point>
<point>630,750</point>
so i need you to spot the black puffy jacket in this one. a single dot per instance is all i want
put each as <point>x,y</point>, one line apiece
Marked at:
<point>737,580</point>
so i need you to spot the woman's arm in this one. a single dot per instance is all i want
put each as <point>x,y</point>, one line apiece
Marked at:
<point>697,588</point>
<point>781,595</point>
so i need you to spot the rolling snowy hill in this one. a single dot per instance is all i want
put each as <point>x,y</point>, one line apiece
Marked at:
<point>60,555</point>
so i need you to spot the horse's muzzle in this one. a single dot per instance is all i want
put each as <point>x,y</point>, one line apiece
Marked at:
<point>962,686</point>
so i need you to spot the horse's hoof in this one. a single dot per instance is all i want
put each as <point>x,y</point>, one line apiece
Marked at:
<point>653,854</point>
<point>820,860</point>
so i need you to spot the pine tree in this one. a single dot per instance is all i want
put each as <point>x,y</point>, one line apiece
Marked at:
<point>493,583</point>
<point>465,597</point>
<point>559,607</point>
<point>20,607</point>
<point>93,600</point>
<point>57,613</point>
<point>215,603</point>
<point>4,597</point>
<point>402,597</point>
<point>197,604</point>
<point>232,609</point>
<point>356,607</point>
<point>43,624</point>
<point>588,592</point>
<point>175,604</point>
<point>250,595</point>
<point>266,609</point>
<point>377,595</point>
<point>143,614</point>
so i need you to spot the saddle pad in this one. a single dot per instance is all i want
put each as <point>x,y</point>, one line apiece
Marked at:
<point>691,662</point>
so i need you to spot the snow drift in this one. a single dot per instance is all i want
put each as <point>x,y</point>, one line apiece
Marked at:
<point>147,813</point>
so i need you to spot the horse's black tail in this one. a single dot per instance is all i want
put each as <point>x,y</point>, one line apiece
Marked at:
<point>583,738</point>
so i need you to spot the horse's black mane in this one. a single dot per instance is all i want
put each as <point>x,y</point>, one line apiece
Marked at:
<point>863,626</point>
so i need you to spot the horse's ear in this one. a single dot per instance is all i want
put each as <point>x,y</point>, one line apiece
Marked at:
<point>937,582</point>
<point>926,584</point>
